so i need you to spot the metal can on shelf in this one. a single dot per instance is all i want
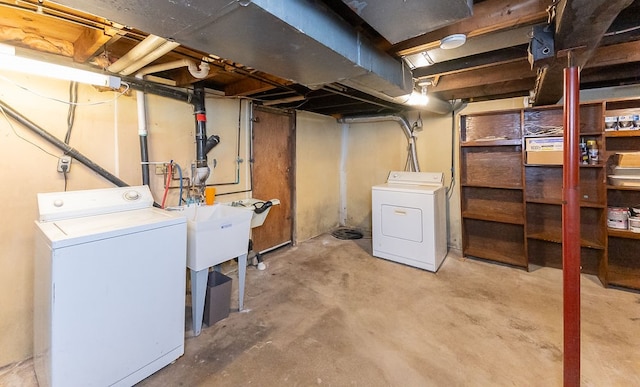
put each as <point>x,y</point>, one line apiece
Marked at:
<point>618,218</point>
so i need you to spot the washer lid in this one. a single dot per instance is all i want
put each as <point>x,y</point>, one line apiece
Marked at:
<point>73,204</point>
<point>67,232</point>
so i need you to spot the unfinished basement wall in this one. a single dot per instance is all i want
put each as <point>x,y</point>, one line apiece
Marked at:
<point>317,180</point>
<point>373,149</point>
<point>107,134</point>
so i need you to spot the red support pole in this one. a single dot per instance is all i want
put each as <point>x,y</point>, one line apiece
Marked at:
<point>571,227</point>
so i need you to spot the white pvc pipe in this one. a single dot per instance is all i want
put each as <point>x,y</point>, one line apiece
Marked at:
<point>150,57</point>
<point>143,48</point>
<point>140,97</point>
<point>189,64</point>
<point>142,110</point>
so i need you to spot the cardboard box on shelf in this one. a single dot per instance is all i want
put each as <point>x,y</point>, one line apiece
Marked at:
<point>544,150</point>
<point>629,159</point>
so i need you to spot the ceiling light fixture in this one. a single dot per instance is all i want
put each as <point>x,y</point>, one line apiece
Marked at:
<point>419,98</point>
<point>453,41</point>
<point>12,62</point>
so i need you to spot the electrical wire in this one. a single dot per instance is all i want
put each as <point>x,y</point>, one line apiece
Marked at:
<point>119,94</point>
<point>180,176</point>
<point>24,139</point>
<point>71,114</point>
<point>167,184</point>
<point>64,174</point>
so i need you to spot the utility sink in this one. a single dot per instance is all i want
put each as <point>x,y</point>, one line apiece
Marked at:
<point>253,204</point>
<point>216,234</point>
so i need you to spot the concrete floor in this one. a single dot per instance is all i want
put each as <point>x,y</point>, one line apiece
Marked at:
<point>327,313</point>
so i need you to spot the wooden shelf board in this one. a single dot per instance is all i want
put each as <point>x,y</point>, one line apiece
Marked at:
<point>558,202</point>
<point>622,234</point>
<point>623,276</point>
<point>500,218</point>
<point>501,142</point>
<point>622,188</point>
<point>555,202</point>
<point>622,133</point>
<point>555,237</point>
<point>519,187</point>
<point>493,255</point>
<point>599,165</point>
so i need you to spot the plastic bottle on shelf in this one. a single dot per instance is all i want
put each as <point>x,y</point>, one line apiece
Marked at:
<point>593,151</point>
<point>584,154</point>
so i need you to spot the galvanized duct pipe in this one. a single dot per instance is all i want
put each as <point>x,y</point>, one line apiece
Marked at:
<point>61,145</point>
<point>404,124</point>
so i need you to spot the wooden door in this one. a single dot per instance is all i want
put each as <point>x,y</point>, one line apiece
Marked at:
<point>273,139</point>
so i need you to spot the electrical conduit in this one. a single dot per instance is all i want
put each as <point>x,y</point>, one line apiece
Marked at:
<point>61,145</point>
<point>404,124</point>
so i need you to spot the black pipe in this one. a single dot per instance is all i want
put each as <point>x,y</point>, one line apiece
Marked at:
<point>156,89</point>
<point>212,141</point>
<point>144,158</point>
<point>201,125</point>
<point>61,145</point>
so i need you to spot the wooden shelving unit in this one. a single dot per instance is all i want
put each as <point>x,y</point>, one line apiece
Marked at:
<point>492,187</point>
<point>512,211</point>
<point>623,259</point>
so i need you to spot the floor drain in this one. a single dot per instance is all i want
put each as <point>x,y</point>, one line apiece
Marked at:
<point>347,233</point>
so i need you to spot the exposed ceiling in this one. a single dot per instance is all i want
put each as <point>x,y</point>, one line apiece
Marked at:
<point>346,57</point>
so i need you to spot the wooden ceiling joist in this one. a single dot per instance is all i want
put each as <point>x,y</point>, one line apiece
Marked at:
<point>489,75</point>
<point>488,16</point>
<point>492,58</point>
<point>88,43</point>
<point>574,34</point>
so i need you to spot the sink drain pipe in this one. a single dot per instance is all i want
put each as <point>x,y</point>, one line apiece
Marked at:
<point>404,124</point>
<point>9,111</point>
<point>196,72</point>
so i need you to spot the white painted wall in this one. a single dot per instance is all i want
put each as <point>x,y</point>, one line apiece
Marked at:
<point>317,180</point>
<point>107,134</point>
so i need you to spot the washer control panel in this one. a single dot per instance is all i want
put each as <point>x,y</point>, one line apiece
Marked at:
<point>74,204</point>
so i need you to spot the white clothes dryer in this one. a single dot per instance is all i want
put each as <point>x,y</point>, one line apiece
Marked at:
<point>409,219</point>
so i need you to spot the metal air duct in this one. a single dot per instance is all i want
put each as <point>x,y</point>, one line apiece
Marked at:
<point>302,41</point>
<point>399,20</point>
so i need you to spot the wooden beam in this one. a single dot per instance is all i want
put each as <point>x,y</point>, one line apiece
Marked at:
<point>486,59</point>
<point>580,25</point>
<point>514,88</point>
<point>247,86</point>
<point>619,74</point>
<point>488,16</point>
<point>520,69</point>
<point>88,43</point>
<point>35,41</point>
<point>615,54</point>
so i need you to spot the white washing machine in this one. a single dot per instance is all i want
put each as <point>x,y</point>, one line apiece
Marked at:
<point>109,294</point>
<point>409,219</point>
